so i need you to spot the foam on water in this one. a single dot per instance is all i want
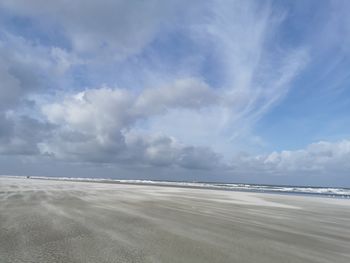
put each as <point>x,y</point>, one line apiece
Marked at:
<point>324,191</point>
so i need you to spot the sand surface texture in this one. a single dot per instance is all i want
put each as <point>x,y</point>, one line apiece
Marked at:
<point>54,221</point>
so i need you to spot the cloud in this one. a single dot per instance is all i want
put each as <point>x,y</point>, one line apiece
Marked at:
<point>120,27</point>
<point>255,74</point>
<point>160,150</point>
<point>189,93</point>
<point>181,107</point>
<point>20,135</point>
<point>320,158</point>
<point>95,125</point>
<point>28,69</point>
<point>107,108</point>
<point>24,68</point>
<point>258,72</point>
<point>19,71</point>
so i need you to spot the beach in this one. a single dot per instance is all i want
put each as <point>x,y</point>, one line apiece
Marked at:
<point>61,221</point>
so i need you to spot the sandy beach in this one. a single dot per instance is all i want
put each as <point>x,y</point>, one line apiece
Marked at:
<point>58,221</point>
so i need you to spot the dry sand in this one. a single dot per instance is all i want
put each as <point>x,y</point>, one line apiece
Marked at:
<point>54,221</point>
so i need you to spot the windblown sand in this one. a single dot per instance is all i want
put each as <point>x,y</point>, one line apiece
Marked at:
<point>55,221</point>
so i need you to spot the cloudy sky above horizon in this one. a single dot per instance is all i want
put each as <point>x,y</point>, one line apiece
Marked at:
<point>239,91</point>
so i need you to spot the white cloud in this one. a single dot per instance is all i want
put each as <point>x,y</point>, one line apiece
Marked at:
<point>106,108</point>
<point>255,75</point>
<point>187,93</point>
<point>316,159</point>
<point>95,125</point>
<point>257,72</point>
<point>188,109</point>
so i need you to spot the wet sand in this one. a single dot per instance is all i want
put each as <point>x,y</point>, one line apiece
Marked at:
<point>57,221</point>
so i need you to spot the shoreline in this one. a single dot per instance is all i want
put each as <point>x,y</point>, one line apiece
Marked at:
<point>201,185</point>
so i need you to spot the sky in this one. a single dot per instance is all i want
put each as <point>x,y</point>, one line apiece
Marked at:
<point>225,91</point>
